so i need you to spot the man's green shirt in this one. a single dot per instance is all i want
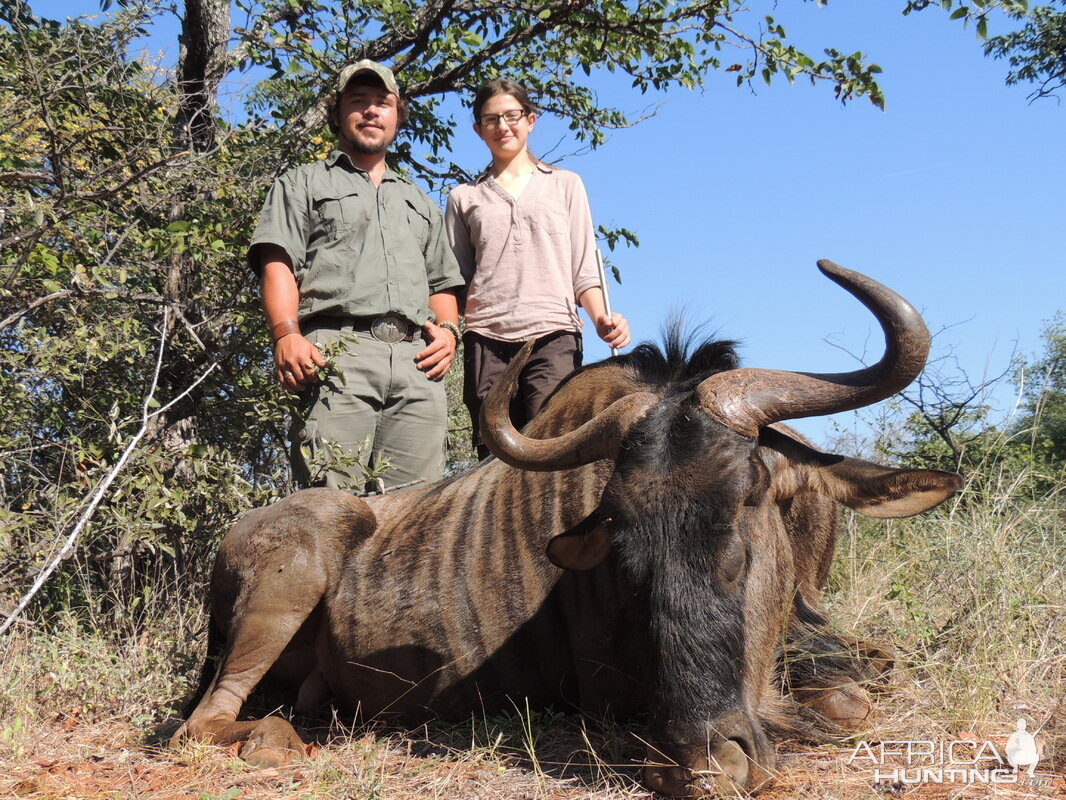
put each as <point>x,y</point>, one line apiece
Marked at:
<point>357,249</point>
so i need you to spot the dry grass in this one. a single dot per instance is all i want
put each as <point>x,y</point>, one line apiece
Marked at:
<point>110,758</point>
<point>972,597</point>
<point>974,601</point>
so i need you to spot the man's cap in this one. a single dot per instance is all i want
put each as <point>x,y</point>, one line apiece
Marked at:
<point>366,65</point>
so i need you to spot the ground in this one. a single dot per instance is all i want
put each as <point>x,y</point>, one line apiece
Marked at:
<point>485,760</point>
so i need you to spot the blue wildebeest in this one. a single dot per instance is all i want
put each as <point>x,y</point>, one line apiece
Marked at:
<point>645,547</point>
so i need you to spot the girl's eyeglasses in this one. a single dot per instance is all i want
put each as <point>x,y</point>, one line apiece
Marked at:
<point>510,117</point>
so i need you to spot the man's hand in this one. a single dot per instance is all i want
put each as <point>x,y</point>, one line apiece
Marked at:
<point>297,361</point>
<point>613,329</point>
<point>437,358</point>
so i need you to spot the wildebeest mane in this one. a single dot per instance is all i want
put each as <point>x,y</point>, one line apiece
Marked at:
<point>685,357</point>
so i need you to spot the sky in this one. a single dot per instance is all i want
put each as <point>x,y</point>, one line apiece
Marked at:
<point>952,196</point>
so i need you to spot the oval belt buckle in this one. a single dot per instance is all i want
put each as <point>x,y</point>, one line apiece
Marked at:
<point>390,329</point>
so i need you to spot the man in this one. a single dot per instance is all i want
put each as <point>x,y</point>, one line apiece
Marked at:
<point>347,246</point>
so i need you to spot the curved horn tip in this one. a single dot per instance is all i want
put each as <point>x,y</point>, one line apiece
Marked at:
<point>509,379</point>
<point>832,270</point>
<point>523,354</point>
<point>867,289</point>
<point>494,409</point>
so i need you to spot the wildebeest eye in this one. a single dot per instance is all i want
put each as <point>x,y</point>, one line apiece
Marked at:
<point>733,559</point>
<point>759,481</point>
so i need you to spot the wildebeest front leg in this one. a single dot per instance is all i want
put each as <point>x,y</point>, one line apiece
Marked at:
<point>832,673</point>
<point>271,574</point>
<point>258,641</point>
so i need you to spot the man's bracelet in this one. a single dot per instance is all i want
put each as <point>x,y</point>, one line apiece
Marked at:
<point>451,326</point>
<point>284,328</point>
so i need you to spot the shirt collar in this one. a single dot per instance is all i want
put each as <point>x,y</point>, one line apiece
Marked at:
<point>538,166</point>
<point>336,155</point>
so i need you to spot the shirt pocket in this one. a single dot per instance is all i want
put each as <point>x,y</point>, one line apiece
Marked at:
<point>550,221</point>
<point>419,224</point>
<point>339,216</point>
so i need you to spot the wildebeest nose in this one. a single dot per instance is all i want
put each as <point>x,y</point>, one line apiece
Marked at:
<point>734,759</point>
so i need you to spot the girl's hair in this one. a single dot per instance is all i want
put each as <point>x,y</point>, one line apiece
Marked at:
<point>502,86</point>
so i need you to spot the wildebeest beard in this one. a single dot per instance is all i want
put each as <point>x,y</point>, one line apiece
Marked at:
<point>673,560</point>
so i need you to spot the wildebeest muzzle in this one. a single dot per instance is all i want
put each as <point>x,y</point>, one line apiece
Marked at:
<point>735,758</point>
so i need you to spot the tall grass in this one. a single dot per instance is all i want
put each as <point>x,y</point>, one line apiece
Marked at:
<point>973,599</point>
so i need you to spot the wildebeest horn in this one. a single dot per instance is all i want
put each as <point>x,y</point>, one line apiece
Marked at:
<point>746,399</point>
<point>600,437</point>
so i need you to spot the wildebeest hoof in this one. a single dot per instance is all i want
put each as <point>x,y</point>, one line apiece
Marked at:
<point>179,737</point>
<point>727,776</point>
<point>266,757</point>
<point>274,743</point>
<point>882,659</point>
<point>847,706</point>
<point>727,771</point>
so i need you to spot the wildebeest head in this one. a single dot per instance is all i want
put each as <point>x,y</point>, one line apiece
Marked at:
<point>693,511</point>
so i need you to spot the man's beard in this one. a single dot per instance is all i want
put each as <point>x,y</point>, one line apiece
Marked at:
<point>369,148</point>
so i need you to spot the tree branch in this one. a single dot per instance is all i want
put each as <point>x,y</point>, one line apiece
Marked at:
<point>105,484</point>
<point>426,21</point>
<point>140,297</point>
<point>27,175</point>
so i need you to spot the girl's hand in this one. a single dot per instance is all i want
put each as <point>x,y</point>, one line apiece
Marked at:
<point>613,329</point>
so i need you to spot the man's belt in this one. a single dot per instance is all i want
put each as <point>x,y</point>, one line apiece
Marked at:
<point>388,328</point>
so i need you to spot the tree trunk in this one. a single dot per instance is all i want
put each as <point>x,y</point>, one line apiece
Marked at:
<point>202,65</point>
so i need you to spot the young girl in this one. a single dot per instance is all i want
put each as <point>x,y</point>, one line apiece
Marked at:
<point>522,234</point>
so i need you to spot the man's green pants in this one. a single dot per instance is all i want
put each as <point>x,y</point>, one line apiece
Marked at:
<point>374,406</point>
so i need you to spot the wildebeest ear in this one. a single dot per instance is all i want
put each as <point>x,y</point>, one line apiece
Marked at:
<point>583,547</point>
<point>868,488</point>
<point>885,492</point>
